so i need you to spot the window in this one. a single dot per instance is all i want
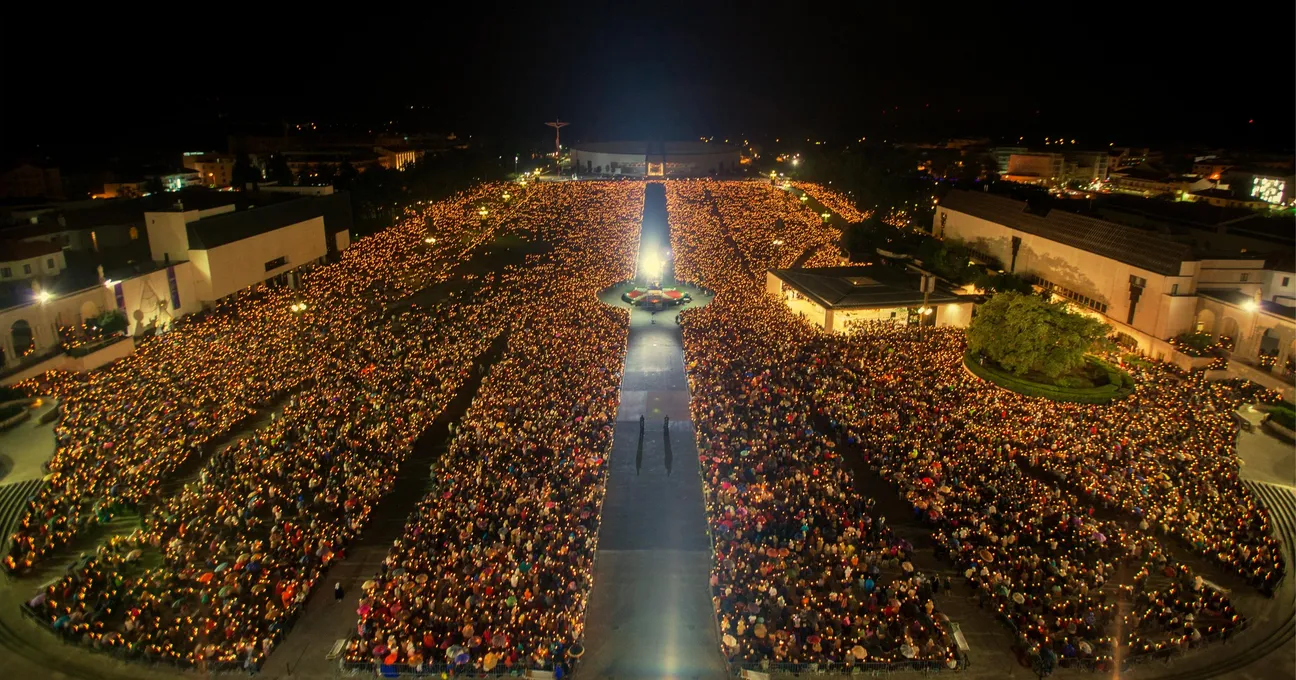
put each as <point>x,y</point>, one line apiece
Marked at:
<point>276,263</point>
<point>49,263</point>
<point>27,269</point>
<point>1174,289</point>
<point>1244,278</point>
<point>1286,281</point>
<point>5,272</point>
<point>134,234</point>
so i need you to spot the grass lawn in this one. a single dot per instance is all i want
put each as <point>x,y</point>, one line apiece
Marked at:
<point>1097,382</point>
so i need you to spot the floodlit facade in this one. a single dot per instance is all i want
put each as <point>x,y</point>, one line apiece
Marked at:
<point>198,258</point>
<point>839,299</point>
<point>654,159</point>
<point>1147,287</point>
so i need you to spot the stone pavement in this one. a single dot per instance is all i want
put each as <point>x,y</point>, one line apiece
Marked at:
<point>650,613</point>
<point>650,610</point>
<point>1265,458</point>
<point>27,446</point>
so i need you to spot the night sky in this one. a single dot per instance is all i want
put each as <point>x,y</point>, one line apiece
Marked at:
<point>1096,72</point>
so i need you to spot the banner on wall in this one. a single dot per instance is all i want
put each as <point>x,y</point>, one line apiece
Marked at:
<point>175,290</point>
<point>121,296</point>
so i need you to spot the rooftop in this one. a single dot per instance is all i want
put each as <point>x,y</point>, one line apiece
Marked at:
<point>219,230</point>
<point>1142,249</point>
<point>861,287</point>
<point>645,147</point>
<point>12,251</point>
<point>1237,297</point>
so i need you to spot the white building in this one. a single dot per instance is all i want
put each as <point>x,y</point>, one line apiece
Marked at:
<point>837,298</point>
<point>23,260</point>
<point>199,257</point>
<point>1148,287</point>
<point>654,159</point>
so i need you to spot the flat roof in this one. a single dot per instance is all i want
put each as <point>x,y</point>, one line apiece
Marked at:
<point>1237,297</point>
<point>643,148</point>
<point>226,228</point>
<point>862,287</point>
<point>1135,247</point>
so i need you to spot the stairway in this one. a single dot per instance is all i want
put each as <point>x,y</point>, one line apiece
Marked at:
<point>13,499</point>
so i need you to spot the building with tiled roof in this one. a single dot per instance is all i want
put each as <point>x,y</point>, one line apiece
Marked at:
<point>1150,284</point>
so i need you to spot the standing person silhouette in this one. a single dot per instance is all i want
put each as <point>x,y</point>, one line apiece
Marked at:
<point>667,443</point>
<point>639,451</point>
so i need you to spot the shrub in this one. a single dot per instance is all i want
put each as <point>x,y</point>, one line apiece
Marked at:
<point>1284,413</point>
<point>1119,383</point>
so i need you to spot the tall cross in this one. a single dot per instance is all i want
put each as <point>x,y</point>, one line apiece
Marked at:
<point>557,125</point>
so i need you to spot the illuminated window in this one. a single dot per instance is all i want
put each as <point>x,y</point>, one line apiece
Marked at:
<point>134,234</point>
<point>1268,189</point>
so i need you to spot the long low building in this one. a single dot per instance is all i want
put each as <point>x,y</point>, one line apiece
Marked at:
<point>654,159</point>
<point>198,257</point>
<point>1148,286</point>
<point>838,299</point>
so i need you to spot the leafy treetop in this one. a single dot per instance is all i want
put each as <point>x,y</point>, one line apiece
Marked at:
<point>1026,333</point>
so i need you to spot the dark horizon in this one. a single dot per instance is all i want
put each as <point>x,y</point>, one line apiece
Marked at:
<point>670,71</point>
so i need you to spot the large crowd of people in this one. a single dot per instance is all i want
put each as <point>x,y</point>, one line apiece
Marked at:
<point>804,569</point>
<point>1070,522</point>
<point>218,570</point>
<point>1065,517</point>
<point>493,570</point>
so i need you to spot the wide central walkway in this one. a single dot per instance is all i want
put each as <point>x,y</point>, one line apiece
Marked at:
<point>650,611</point>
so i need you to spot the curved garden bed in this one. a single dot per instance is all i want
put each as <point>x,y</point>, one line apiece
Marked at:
<point>1118,386</point>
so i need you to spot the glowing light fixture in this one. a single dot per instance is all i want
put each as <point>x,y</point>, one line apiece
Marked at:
<point>44,296</point>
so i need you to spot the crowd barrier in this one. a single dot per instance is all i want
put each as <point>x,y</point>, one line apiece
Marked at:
<point>842,667</point>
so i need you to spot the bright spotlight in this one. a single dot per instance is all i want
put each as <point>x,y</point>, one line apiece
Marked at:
<point>43,296</point>
<point>1250,305</point>
<point>652,266</point>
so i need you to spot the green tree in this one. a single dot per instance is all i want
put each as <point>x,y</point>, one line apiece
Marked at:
<point>347,174</point>
<point>1025,333</point>
<point>325,172</point>
<point>279,172</point>
<point>1003,282</point>
<point>244,173</point>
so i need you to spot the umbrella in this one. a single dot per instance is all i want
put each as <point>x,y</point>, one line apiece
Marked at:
<point>576,651</point>
<point>369,584</point>
<point>908,651</point>
<point>1019,598</point>
<point>859,652</point>
<point>730,641</point>
<point>134,555</point>
<point>814,639</point>
<point>490,661</point>
<point>462,657</point>
<point>907,566</point>
<point>760,630</point>
<point>986,555</point>
<point>498,640</point>
<point>206,578</point>
<point>421,579</point>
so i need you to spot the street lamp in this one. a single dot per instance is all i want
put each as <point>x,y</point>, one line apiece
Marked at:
<point>430,240</point>
<point>44,296</point>
<point>483,212</point>
<point>507,196</point>
<point>825,215</point>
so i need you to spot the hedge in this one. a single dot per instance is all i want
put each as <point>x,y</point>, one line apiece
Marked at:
<point>1284,414</point>
<point>1120,384</point>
